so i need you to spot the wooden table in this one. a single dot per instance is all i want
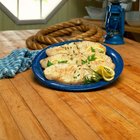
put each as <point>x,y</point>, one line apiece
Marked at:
<point>101,23</point>
<point>29,111</point>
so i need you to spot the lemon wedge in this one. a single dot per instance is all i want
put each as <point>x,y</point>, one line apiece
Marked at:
<point>106,72</point>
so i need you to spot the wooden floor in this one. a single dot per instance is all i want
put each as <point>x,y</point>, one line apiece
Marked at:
<point>30,111</point>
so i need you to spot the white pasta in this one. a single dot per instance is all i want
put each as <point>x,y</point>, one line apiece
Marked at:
<point>77,63</point>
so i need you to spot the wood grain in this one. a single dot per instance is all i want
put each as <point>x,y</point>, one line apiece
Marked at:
<point>31,111</point>
<point>127,28</point>
<point>9,129</point>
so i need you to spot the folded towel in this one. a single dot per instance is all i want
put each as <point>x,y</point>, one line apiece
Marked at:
<point>18,61</point>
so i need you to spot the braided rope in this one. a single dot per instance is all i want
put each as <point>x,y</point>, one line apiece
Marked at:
<point>59,26</point>
<point>63,32</point>
<point>68,31</point>
<point>33,44</point>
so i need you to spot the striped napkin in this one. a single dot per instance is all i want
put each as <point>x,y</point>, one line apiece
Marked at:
<point>18,61</point>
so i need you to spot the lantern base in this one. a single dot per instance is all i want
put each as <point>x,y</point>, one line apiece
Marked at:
<point>115,40</point>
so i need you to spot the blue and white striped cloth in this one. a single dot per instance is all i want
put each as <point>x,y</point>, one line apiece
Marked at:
<point>18,61</point>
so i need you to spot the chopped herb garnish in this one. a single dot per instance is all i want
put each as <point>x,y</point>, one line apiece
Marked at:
<point>78,74</point>
<point>87,80</point>
<point>76,61</point>
<point>92,49</point>
<point>84,61</point>
<point>95,77</point>
<point>63,61</point>
<point>74,77</point>
<point>49,63</point>
<point>89,66</point>
<point>71,58</point>
<point>91,58</point>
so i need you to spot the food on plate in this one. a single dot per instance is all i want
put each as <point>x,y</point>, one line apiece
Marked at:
<point>78,63</point>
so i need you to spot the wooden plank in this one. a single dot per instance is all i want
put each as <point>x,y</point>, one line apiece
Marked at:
<point>4,86</point>
<point>117,109</point>
<point>24,118</point>
<point>129,92</point>
<point>10,46</point>
<point>130,82</point>
<point>124,105</point>
<point>117,120</point>
<point>8,128</point>
<point>100,23</point>
<point>113,117</point>
<point>80,129</point>
<point>93,118</point>
<point>46,117</point>
<point>132,69</point>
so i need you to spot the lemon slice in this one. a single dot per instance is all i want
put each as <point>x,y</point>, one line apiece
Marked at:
<point>106,72</point>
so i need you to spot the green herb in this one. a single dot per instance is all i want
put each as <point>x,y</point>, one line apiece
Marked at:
<point>63,61</point>
<point>91,58</point>
<point>84,61</point>
<point>92,49</point>
<point>89,66</point>
<point>75,77</point>
<point>87,80</point>
<point>49,63</point>
<point>78,75</point>
<point>71,58</point>
<point>76,61</point>
<point>95,77</point>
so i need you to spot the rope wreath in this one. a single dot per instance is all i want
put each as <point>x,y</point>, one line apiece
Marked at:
<point>70,30</point>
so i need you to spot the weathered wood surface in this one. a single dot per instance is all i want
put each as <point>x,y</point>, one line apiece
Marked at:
<point>127,28</point>
<point>32,112</point>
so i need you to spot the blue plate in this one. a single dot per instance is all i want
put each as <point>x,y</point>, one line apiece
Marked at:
<point>38,71</point>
